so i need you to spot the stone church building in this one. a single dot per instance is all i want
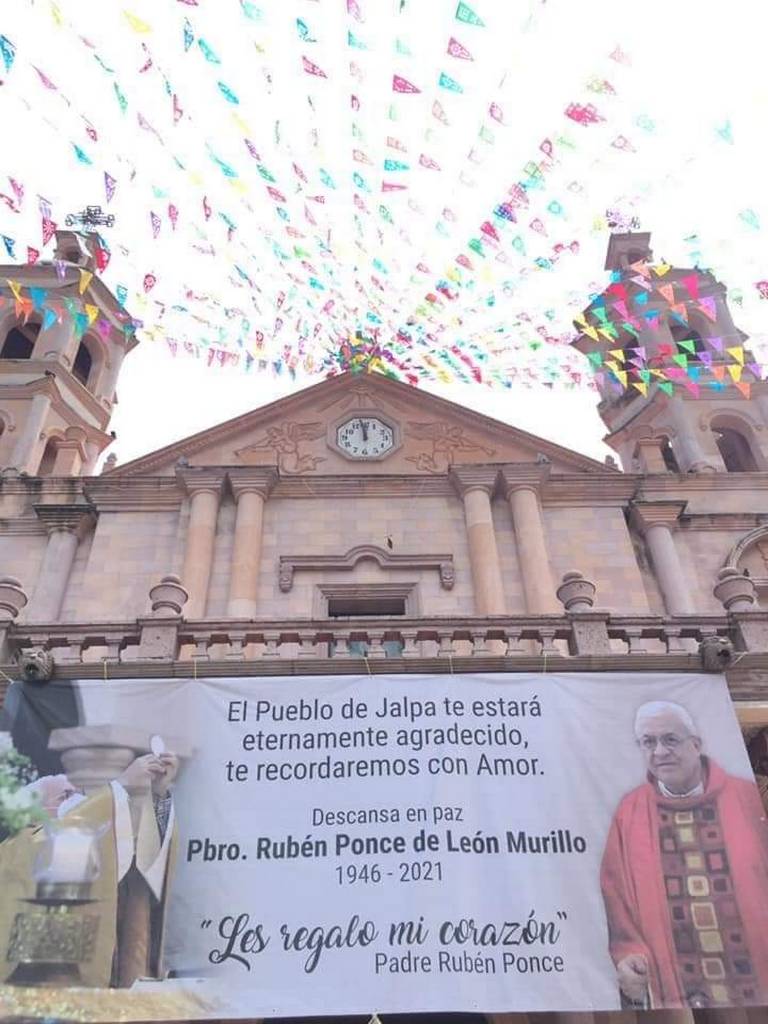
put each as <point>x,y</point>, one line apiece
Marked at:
<point>360,525</point>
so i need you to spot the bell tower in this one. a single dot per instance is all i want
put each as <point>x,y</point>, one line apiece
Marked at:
<point>672,369</point>
<point>63,338</point>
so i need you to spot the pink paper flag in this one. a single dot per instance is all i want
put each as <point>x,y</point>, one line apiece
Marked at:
<point>455,49</point>
<point>428,162</point>
<point>708,306</point>
<point>496,113</point>
<point>400,84</point>
<point>313,69</point>
<point>691,282</point>
<point>49,230</point>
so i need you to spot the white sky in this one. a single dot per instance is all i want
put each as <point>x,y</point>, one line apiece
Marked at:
<point>696,80</point>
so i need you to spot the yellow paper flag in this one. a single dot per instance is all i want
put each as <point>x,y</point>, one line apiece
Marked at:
<point>735,371</point>
<point>591,332</point>
<point>85,280</point>
<point>642,388</point>
<point>137,24</point>
<point>617,353</point>
<point>662,269</point>
<point>92,312</point>
<point>15,288</point>
<point>738,354</point>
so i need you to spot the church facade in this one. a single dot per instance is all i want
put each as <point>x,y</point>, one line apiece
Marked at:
<point>362,526</point>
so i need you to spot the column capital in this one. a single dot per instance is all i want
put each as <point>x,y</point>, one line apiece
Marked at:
<point>193,480</point>
<point>76,519</point>
<point>252,479</point>
<point>473,478</point>
<point>523,475</point>
<point>645,514</point>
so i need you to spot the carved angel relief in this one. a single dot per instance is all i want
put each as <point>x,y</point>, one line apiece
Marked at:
<point>446,441</point>
<point>285,441</point>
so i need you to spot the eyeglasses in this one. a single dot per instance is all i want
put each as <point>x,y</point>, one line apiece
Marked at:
<point>670,740</point>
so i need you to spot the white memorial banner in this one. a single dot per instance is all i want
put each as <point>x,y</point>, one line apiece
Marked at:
<point>264,847</point>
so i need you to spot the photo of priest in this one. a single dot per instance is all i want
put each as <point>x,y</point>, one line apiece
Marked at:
<point>684,875</point>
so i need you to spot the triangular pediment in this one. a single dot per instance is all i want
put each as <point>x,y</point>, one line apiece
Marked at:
<point>317,432</point>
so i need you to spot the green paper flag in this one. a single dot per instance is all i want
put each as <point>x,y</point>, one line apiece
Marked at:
<point>666,387</point>
<point>465,13</point>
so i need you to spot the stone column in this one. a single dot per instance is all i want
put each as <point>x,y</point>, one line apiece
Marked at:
<point>204,489</point>
<point>655,521</point>
<point>57,343</point>
<point>69,453</point>
<point>91,457</point>
<point>691,457</point>
<point>26,452</point>
<point>522,486</point>
<point>12,600</point>
<point>251,486</point>
<point>476,484</point>
<point>650,455</point>
<point>105,385</point>
<point>65,525</point>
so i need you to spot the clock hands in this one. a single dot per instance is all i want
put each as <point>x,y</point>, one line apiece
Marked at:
<point>364,427</point>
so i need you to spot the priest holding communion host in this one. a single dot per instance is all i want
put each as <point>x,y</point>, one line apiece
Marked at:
<point>132,821</point>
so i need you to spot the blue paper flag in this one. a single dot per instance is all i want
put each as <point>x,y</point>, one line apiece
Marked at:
<point>7,52</point>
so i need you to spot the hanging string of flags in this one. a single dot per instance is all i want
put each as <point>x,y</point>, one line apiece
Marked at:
<point>307,191</point>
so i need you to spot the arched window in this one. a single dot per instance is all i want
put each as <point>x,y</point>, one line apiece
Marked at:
<point>20,341</point>
<point>688,340</point>
<point>49,458</point>
<point>83,364</point>
<point>668,454</point>
<point>735,450</point>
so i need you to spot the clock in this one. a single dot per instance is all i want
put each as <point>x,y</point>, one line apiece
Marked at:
<point>365,437</point>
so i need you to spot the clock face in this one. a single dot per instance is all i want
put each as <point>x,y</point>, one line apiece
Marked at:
<point>364,437</point>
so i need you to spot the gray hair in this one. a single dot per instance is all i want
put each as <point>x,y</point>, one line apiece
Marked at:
<point>660,707</point>
<point>39,786</point>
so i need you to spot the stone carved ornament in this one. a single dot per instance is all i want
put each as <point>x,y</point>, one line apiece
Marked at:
<point>445,440</point>
<point>290,563</point>
<point>285,441</point>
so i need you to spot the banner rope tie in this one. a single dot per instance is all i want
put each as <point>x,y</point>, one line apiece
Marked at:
<point>367,664</point>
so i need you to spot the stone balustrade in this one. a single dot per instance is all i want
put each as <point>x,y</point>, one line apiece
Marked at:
<point>491,643</point>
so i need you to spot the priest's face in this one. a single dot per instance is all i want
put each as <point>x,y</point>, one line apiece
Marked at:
<point>672,754</point>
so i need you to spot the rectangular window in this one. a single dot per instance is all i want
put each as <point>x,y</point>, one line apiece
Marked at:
<point>370,607</point>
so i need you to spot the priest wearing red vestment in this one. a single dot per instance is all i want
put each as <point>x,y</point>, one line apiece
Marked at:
<point>685,876</point>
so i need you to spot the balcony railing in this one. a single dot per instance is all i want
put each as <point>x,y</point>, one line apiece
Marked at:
<point>175,646</point>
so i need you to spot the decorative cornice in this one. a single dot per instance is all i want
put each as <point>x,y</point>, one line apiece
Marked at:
<point>523,475</point>
<point>48,384</point>
<point>644,515</point>
<point>473,478</point>
<point>613,490</point>
<point>194,480</point>
<point>137,494</point>
<point>386,559</point>
<point>77,519</point>
<point>374,486</point>
<point>252,480</point>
